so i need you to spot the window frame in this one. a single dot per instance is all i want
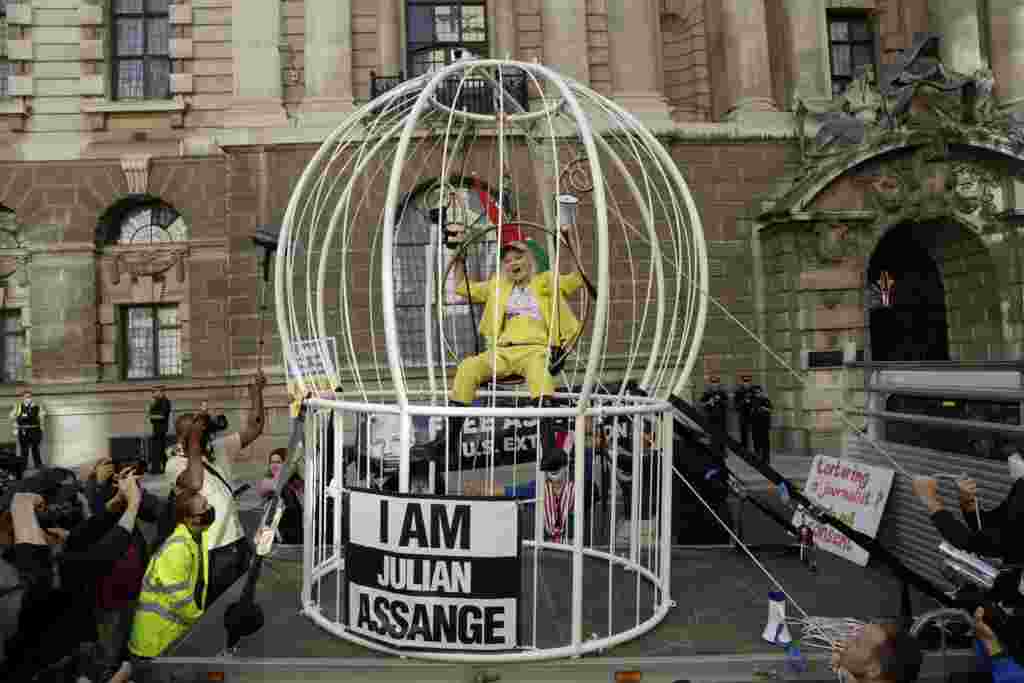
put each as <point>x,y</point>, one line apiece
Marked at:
<point>5,334</point>
<point>154,337</point>
<point>850,15</point>
<point>6,67</point>
<point>411,49</point>
<point>116,16</point>
<point>426,249</point>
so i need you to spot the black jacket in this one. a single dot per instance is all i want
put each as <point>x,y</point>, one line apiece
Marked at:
<point>160,412</point>
<point>54,621</point>
<point>1000,535</point>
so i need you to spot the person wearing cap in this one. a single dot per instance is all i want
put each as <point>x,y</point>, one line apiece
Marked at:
<point>524,316</point>
<point>715,403</point>
<point>741,402</point>
<point>29,419</point>
<point>159,418</point>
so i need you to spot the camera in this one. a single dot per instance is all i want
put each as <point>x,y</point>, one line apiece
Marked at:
<point>59,488</point>
<point>217,423</point>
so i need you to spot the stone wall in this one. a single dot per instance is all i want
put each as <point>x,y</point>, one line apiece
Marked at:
<point>687,83</point>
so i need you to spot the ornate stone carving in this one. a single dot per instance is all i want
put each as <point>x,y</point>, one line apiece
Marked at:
<point>917,188</point>
<point>915,98</point>
<point>150,262</point>
<point>829,242</point>
<point>136,172</point>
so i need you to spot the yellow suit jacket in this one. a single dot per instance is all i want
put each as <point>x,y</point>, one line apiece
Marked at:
<point>541,286</point>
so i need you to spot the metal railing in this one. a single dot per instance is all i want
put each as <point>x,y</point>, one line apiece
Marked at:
<point>474,95</point>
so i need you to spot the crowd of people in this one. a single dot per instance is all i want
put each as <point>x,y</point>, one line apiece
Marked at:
<point>128,571</point>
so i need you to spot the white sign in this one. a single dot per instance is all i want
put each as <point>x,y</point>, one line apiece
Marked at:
<point>855,494</point>
<point>433,573</point>
<point>315,357</point>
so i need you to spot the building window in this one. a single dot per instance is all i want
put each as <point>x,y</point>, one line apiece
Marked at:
<point>851,39</point>
<point>13,335</point>
<point>440,33</point>
<point>150,223</point>
<point>152,337</point>
<point>141,64</point>
<point>415,258</point>
<point>6,68</point>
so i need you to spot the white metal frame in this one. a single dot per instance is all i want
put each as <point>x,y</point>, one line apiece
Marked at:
<point>399,138</point>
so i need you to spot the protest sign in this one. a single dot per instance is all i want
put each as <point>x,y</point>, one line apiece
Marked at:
<point>855,493</point>
<point>433,573</point>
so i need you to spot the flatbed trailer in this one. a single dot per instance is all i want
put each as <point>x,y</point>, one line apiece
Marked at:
<point>712,634</point>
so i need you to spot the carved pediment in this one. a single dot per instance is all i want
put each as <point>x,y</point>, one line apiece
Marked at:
<point>913,98</point>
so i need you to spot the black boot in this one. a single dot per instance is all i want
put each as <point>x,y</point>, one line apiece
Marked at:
<point>552,457</point>
<point>447,438</point>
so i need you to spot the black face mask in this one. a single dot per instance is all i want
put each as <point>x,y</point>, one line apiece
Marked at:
<point>207,517</point>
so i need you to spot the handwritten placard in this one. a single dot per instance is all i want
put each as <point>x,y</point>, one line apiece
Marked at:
<point>855,493</point>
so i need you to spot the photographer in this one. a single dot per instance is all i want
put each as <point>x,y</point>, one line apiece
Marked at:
<point>230,551</point>
<point>999,535</point>
<point>57,611</point>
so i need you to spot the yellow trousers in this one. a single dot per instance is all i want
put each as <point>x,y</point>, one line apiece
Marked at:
<point>529,361</point>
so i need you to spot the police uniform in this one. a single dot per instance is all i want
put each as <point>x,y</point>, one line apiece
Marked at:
<point>28,418</point>
<point>715,403</point>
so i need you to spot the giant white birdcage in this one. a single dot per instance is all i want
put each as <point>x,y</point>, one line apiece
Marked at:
<point>373,331</point>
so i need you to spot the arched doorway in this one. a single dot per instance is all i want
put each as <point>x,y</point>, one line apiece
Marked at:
<point>942,303</point>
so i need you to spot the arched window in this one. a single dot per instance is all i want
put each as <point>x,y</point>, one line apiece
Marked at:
<point>141,221</point>
<point>415,260</point>
<point>148,330</point>
<point>155,222</point>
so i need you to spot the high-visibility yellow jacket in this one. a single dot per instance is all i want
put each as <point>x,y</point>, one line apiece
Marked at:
<point>167,604</point>
<point>541,286</point>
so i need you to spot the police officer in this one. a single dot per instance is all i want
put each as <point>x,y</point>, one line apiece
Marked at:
<point>715,402</point>
<point>761,422</point>
<point>159,418</point>
<point>28,418</point>
<point>741,402</point>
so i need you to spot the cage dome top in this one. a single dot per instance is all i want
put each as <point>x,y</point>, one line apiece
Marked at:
<point>451,164</point>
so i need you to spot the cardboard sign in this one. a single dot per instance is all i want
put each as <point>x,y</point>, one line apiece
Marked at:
<point>314,359</point>
<point>433,573</point>
<point>855,493</point>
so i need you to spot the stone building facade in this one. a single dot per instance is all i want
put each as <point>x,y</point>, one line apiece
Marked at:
<point>143,141</point>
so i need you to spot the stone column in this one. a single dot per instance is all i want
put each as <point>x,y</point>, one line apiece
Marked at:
<point>256,56</point>
<point>748,79</point>
<point>957,22</point>
<point>809,77</point>
<point>635,37</point>
<point>328,64</point>
<point>1007,31</point>
<point>506,44</point>
<point>389,38</point>
<point>564,25</point>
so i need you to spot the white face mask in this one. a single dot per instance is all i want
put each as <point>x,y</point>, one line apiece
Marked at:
<point>1016,465</point>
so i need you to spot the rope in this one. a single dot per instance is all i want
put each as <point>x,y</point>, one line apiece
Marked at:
<point>741,544</point>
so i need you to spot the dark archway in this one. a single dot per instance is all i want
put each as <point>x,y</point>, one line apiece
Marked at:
<point>913,325</point>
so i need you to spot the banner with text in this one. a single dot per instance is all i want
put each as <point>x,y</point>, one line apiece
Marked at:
<point>433,573</point>
<point>855,494</point>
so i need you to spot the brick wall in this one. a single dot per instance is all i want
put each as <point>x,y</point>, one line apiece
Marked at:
<point>213,82</point>
<point>900,20</point>
<point>597,46</point>
<point>56,36</point>
<point>530,28</point>
<point>685,59</point>
<point>293,34</point>
<point>364,47</point>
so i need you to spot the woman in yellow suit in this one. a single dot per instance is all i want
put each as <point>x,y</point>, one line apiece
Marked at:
<point>523,317</point>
